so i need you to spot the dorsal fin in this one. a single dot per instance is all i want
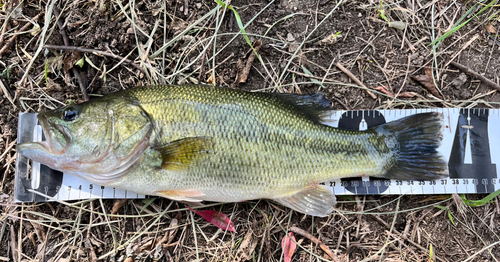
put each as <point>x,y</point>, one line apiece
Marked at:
<point>313,106</point>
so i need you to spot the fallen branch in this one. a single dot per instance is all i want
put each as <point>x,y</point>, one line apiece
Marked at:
<point>474,74</point>
<point>356,80</point>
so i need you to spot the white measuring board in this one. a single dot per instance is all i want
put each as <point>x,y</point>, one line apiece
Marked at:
<point>471,145</point>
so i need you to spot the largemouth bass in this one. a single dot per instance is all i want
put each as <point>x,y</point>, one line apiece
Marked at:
<point>195,143</point>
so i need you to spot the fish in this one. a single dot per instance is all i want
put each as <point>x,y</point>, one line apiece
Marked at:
<point>196,143</point>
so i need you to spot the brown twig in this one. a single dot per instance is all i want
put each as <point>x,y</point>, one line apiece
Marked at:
<point>88,243</point>
<point>202,67</point>
<point>494,39</point>
<point>4,90</point>
<point>314,240</point>
<point>13,38</point>
<point>474,74</point>
<point>65,37</point>
<point>13,243</point>
<point>95,52</point>
<point>315,77</point>
<point>186,7</point>
<point>4,30</point>
<point>355,79</point>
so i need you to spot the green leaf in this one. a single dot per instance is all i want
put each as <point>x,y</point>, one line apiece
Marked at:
<point>6,73</point>
<point>240,24</point>
<point>451,218</point>
<point>345,197</point>
<point>307,72</point>
<point>381,12</point>
<point>440,207</point>
<point>282,19</point>
<point>90,63</point>
<point>147,202</point>
<point>454,29</point>
<point>46,73</point>
<point>80,62</point>
<point>481,202</point>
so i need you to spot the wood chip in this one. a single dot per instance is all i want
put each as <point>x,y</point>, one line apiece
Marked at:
<point>117,205</point>
<point>490,28</point>
<point>245,63</point>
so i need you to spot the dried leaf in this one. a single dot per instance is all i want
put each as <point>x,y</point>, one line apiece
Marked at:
<point>53,86</point>
<point>331,39</point>
<point>490,29</point>
<point>426,81</point>
<point>384,90</point>
<point>211,80</point>
<point>70,59</point>
<point>54,64</point>
<point>216,218</point>
<point>288,246</point>
<point>247,247</point>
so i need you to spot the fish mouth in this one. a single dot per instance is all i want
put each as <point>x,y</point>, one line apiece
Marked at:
<point>43,151</point>
<point>49,130</point>
<point>25,148</point>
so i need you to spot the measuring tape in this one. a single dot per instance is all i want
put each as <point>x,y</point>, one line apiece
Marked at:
<point>470,144</point>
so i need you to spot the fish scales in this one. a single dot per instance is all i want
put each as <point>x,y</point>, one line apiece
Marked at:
<point>194,143</point>
<point>257,141</point>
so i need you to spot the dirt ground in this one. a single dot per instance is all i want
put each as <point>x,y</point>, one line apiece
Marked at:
<point>302,45</point>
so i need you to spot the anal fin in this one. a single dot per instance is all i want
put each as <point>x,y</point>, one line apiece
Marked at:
<point>315,200</point>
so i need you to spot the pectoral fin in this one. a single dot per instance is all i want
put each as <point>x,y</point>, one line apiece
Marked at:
<point>179,154</point>
<point>315,200</point>
<point>187,195</point>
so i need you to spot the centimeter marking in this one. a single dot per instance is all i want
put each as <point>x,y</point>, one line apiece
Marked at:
<point>391,187</point>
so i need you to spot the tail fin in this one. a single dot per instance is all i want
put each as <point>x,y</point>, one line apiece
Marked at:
<point>415,140</point>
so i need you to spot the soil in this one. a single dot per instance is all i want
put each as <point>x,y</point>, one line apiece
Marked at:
<point>299,52</point>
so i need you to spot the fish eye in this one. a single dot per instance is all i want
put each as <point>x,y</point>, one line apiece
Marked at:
<point>70,114</point>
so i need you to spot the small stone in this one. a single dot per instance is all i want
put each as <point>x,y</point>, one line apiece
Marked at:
<point>459,81</point>
<point>398,25</point>
<point>290,37</point>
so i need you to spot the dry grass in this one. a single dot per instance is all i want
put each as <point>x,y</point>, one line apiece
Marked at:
<point>133,43</point>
